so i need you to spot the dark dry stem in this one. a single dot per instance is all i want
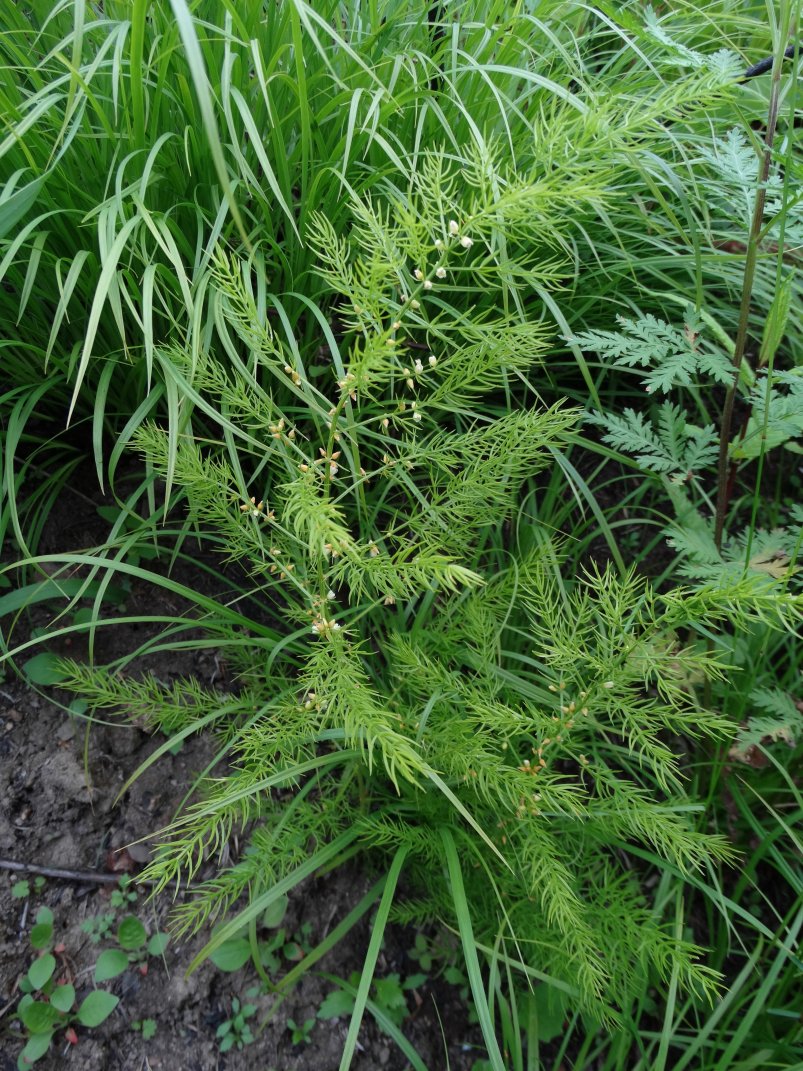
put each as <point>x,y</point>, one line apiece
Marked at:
<point>87,877</point>
<point>723,493</point>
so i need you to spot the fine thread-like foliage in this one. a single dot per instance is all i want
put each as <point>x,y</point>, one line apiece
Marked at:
<point>346,278</point>
<point>554,767</point>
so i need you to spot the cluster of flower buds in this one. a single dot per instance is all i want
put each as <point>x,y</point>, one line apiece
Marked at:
<point>324,626</point>
<point>323,460</point>
<point>257,509</point>
<point>277,430</point>
<point>278,566</point>
<point>569,710</point>
<point>525,808</point>
<point>418,275</point>
<point>331,551</point>
<point>330,460</point>
<point>454,231</point>
<point>440,272</point>
<point>348,384</point>
<point>532,768</point>
<point>291,372</point>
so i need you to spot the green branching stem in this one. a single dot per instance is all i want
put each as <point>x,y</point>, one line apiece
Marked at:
<point>751,256</point>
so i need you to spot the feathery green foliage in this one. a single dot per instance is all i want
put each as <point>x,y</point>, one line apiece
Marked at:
<point>526,721</point>
<point>347,280</point>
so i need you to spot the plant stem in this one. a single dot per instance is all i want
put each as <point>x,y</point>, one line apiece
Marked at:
<point>723,468</point>
<point>87,877</point>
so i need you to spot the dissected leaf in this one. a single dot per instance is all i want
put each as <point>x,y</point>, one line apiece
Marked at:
<point>336,1004</point>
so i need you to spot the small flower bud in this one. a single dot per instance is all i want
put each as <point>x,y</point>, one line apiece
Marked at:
<point>418,274</point>
<point>415,305</point>
<point>453,228</point>
<point>441,273</point>
<point>432,359</point>
<point>427,284</point>
<point>466,242</point>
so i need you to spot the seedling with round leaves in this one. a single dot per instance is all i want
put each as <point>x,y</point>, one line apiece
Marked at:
<point>100,927</point>
<point>49,1001</point>
<point>135,946</point>
<point>266,952</point>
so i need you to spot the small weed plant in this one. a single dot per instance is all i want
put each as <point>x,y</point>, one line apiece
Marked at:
<point>234,1032</point>
<point>134,949</point>
<point>146,1028</point>
<point>23,889</point>
<point>301,1033</point>
<point>49,1004</point>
